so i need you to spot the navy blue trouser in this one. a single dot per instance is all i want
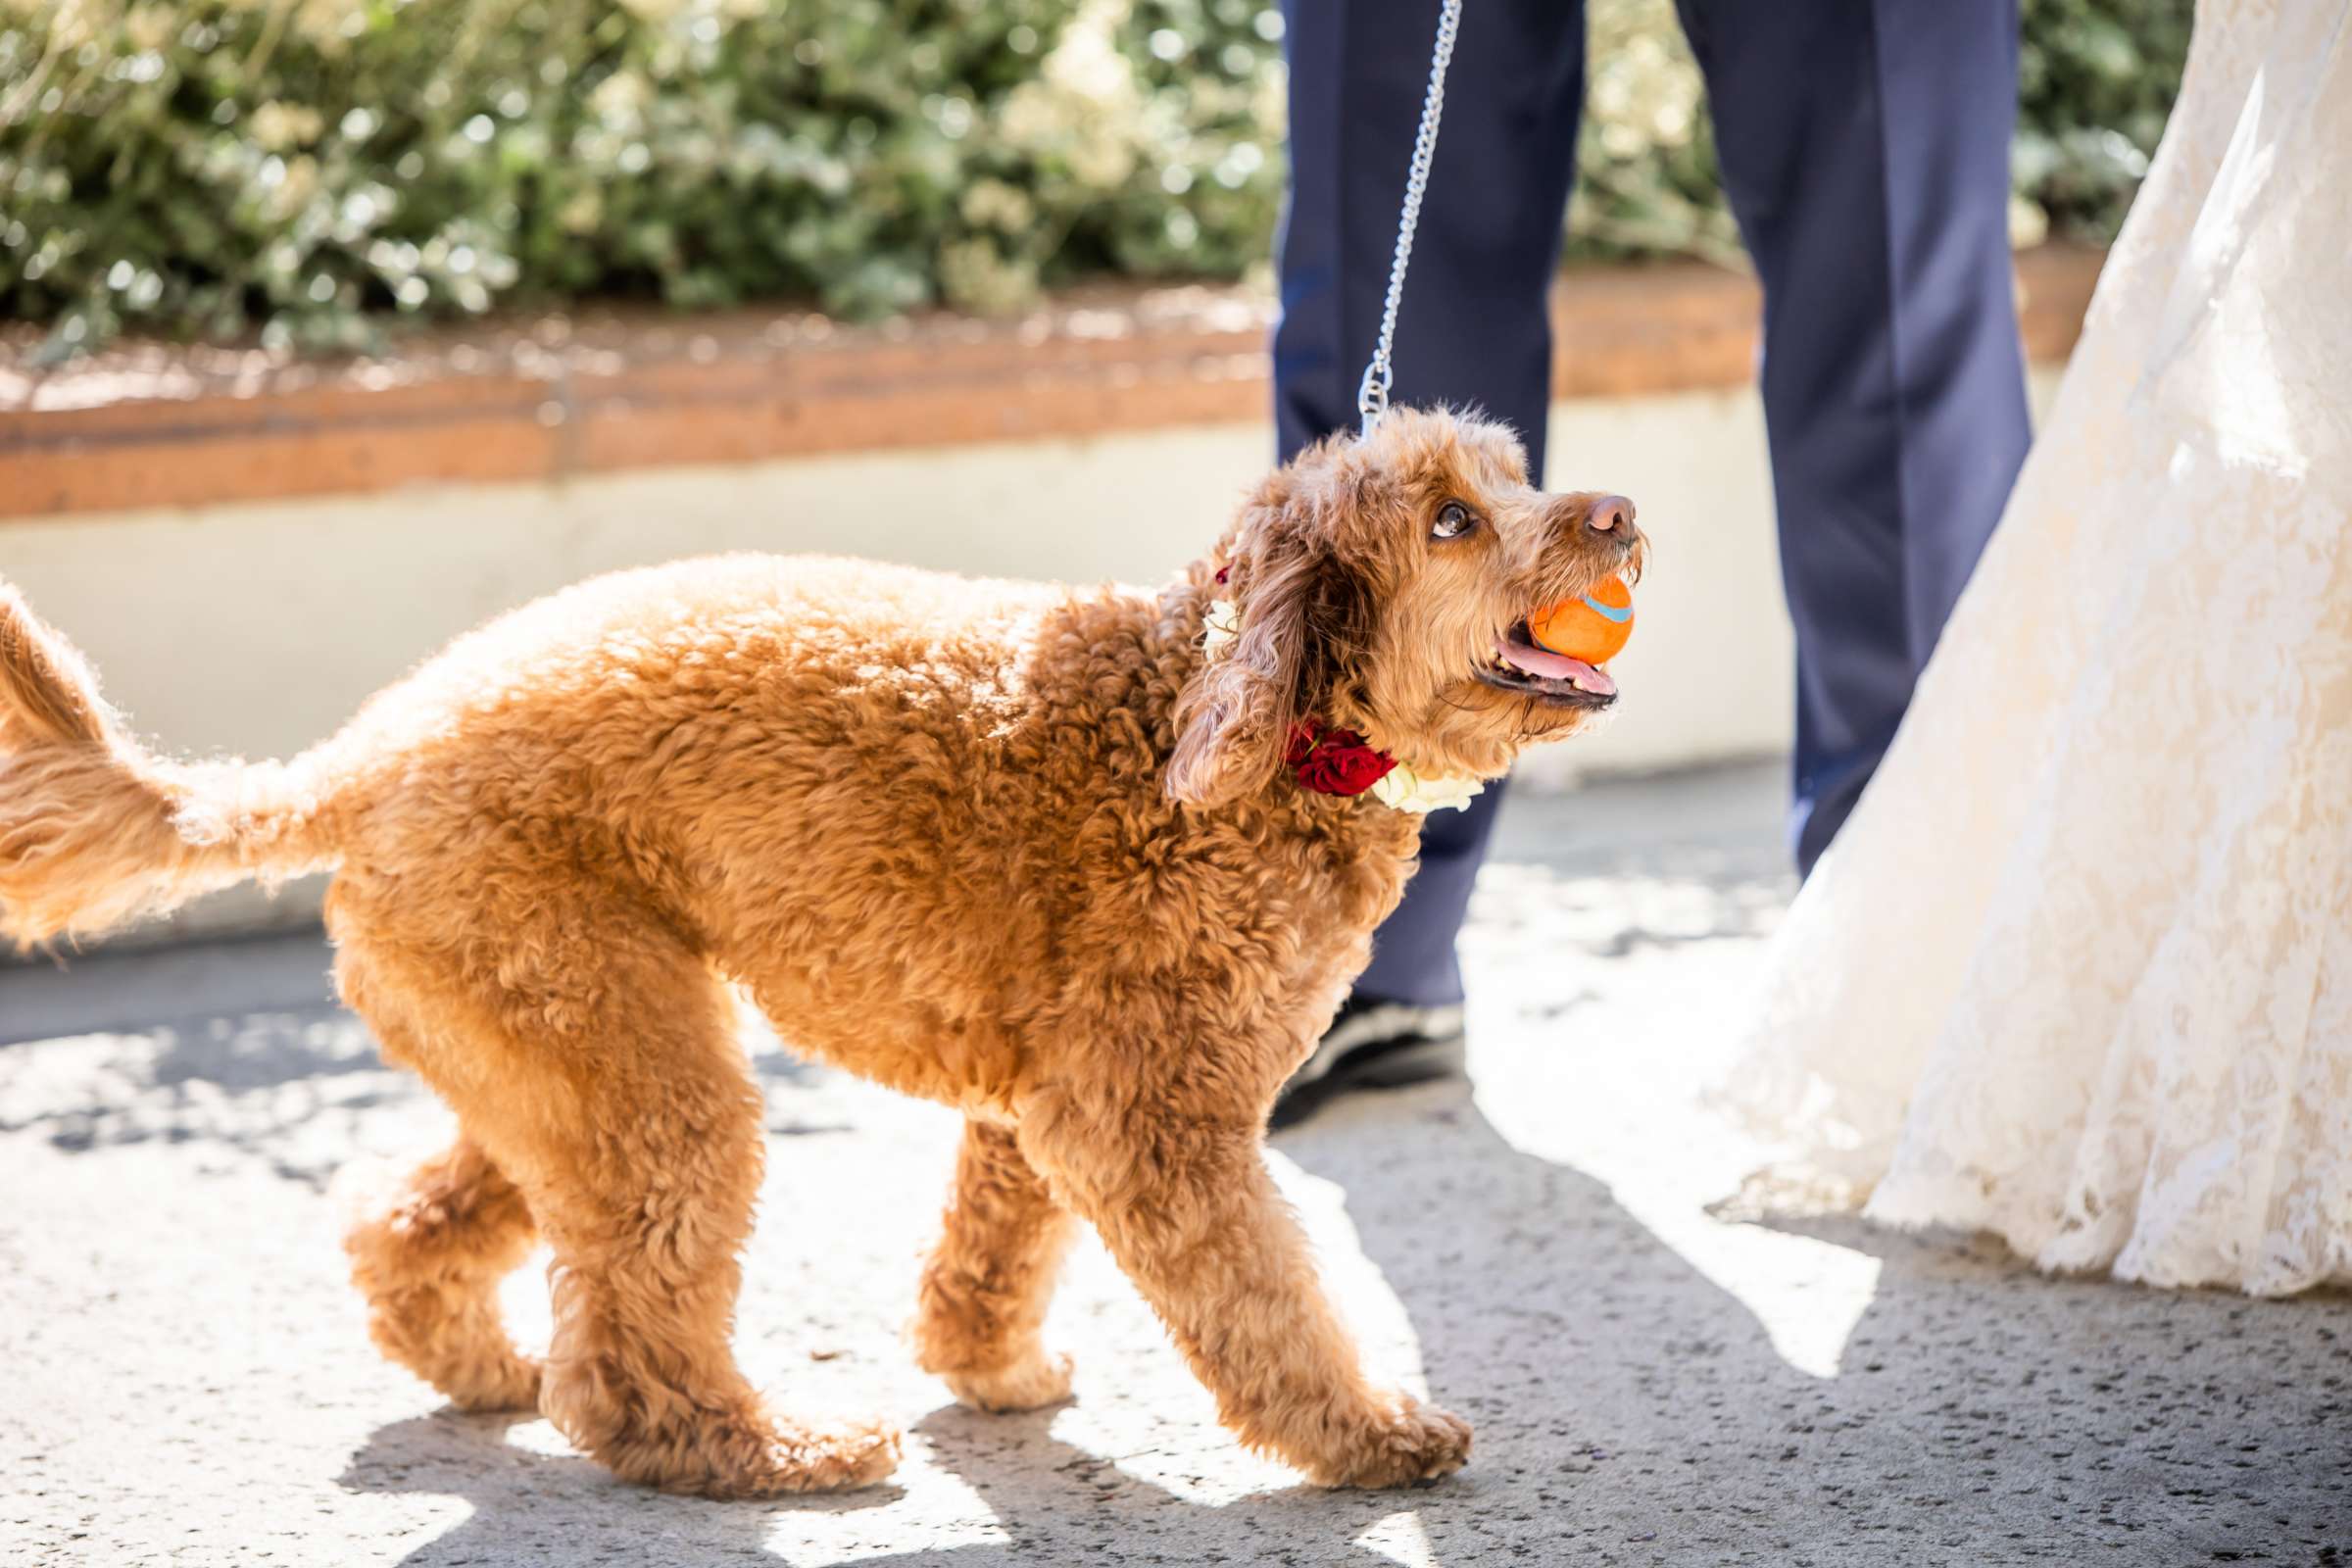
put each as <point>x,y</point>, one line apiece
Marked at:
<point>1864,147</point>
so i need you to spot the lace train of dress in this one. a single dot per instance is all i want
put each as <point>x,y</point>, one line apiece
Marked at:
<point>2079,970</point>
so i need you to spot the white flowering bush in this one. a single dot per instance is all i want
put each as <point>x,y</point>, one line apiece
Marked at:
<point>310,169</point>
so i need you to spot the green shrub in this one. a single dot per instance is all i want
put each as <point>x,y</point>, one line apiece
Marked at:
<point>1645,156</point>
<point>2095,80</point>
<point>312,168</point>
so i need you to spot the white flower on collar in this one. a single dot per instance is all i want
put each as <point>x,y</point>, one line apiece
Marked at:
<point>1409,791</point>
<point>1220,625</point>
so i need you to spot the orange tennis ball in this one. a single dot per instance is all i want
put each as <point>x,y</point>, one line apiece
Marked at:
<point>1593,628</point>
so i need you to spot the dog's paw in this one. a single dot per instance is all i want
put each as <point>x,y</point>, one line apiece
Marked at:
<point>846,1456</point>
<point>786,1457</point>
<point>500,1381</point>
<point>1029,1384</point>
<point>1413,1442</point>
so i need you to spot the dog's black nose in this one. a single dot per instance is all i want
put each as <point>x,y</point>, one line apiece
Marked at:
<point>1610,512</point>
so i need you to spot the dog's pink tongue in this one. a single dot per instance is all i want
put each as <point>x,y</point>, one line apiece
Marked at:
<point>1555,666</point>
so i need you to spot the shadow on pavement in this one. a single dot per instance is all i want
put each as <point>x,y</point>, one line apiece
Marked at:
<point>2167,1426</point>
<point>274,1088</point>
<point>1597,1363</point>
<point>284,1089</point>
<point>527,1505</point>
<point>1981,1412</point>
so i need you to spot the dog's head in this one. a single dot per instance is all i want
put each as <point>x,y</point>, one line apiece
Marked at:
<point>1383,586</point>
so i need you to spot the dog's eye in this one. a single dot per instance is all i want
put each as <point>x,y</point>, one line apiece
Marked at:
<point>1454,521</point>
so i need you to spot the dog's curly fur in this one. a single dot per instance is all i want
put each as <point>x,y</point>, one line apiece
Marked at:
<point>1024,850</point>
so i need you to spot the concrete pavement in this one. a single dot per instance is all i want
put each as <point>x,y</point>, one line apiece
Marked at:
<point>187,1379</point>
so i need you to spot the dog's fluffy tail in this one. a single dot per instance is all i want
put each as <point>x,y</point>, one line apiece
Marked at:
<point>93,830</point>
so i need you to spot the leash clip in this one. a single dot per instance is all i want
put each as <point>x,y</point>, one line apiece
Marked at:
<point>1372,396</point>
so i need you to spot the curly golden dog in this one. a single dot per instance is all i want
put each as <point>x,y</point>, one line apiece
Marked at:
<point>1030,852</point>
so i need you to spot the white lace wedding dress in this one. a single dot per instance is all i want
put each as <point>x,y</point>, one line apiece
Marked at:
<point>2079,970</point>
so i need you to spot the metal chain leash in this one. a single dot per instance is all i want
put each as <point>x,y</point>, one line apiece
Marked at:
<point>1372,396</point>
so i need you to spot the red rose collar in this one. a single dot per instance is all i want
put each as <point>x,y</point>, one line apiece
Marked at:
<point>1334,762</point>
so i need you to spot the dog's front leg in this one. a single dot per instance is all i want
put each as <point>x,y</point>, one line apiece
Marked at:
<point>1189,1212</point>
<point>990,1278</point>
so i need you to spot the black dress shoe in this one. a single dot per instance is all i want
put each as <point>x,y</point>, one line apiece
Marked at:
<point>1374,1045</point>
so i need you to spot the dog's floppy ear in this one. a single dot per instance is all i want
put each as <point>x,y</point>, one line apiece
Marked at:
<point>1234,717</point>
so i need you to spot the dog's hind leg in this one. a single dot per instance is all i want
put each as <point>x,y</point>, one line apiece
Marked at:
<point>428,1253</point>
<point>592,1053</point>
<point>644,1180</point>
<point>985,1290</point>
